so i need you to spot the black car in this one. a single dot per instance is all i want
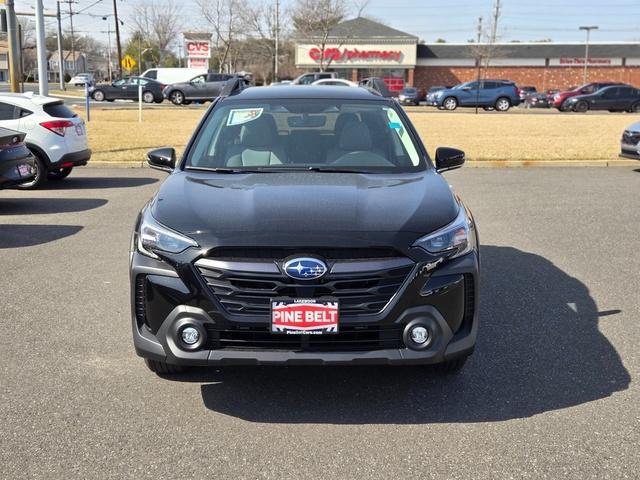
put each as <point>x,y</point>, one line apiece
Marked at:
<point>537,100</point>
<point>17,164</point>
<point>376,84</point>
<point>525,92</point>
<point>304,226</point>
<point>619,98</point>
<point>128,89</point>
<point>410,96</point>
<point>202,88</point>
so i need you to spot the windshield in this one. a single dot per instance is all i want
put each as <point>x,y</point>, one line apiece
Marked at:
<point>329,134</point>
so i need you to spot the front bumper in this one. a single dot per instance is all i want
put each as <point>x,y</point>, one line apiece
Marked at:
<point>444,300</point>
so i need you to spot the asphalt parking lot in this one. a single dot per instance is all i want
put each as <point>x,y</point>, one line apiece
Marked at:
<point>551,391</point>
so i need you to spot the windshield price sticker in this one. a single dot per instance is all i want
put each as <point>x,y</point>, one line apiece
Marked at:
<point>243,115</point>
<point>304,316</point>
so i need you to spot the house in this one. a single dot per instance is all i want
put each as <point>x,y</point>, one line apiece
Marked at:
<point>72,64</point>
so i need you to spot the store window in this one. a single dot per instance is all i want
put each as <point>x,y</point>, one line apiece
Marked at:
<point>395,78</point>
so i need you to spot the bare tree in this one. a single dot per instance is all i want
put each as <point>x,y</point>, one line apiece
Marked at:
<point>159,23</point>
<point>225,19</point>
<point>315,21</point>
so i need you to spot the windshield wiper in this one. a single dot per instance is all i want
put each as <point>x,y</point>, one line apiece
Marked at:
<point>276,169</point>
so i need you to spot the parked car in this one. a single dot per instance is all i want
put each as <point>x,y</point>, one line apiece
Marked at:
<point>54,134</point>
<point>310,77</point>
<point>82,79</point>
<point>377,84</point>
<point>335,82</point>
<point>199,89</point>
<point>16,161</point>
<point>537,100</point>
<point>127,89</point>
<point>618,98</point>
<point>560,98</point>
<point>278,241</point>
<point>526,91</point>
<point>173,75</point>
<point>630,142</point>
<point>490,94</point>
<point>431,95</point>
<point>411,95</point>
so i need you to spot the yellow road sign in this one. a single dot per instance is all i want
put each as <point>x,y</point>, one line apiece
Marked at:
<point>128,62</point>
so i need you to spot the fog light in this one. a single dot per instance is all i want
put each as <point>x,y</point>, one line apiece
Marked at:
<point>190,335</point>
<point>419,335</point>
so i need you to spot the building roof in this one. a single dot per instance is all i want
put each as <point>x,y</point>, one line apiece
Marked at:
<point>531,50</point>
<point>66,54</point>
<point>363,29</point>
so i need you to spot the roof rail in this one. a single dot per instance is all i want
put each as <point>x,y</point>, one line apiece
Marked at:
<point>233,86</point>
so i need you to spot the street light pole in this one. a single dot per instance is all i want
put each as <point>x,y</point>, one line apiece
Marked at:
<point>60,54</point>
<point>586,49</point>
<point>41,50</point>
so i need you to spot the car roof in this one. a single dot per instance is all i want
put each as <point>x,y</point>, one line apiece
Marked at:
<point>306,91</point>
<point>29,97</point>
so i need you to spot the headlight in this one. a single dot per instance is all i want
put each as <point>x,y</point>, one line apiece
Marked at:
<point>456,239</point>
<point>152,237</point>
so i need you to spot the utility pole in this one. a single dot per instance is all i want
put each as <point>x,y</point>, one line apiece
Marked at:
<point>478,60</point>
<point>60,55</point>
<point>586,49</point>
<point>73,38</point>
<point>277,41</point>
<point>115,14</point>
<point>494,25</point>
<point>41,50</point>
<point>14,54</point>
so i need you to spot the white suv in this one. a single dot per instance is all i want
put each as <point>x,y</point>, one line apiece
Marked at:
<point>54,133</point>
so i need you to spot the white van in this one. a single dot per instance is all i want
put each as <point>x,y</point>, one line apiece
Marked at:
<point>173,75</point>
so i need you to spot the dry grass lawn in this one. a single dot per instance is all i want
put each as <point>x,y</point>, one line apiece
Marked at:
<point>116,135</point>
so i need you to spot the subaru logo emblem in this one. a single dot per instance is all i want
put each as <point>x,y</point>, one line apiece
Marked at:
<point>304,268</point>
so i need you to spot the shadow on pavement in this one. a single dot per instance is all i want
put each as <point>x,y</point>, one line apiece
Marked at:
<point>539,349</point>
<point>34,206</point>
<point>76,183</point>
<point>15,236</point>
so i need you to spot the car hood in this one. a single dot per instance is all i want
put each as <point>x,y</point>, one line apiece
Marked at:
<point>296,207</point>
<point>634,127</point>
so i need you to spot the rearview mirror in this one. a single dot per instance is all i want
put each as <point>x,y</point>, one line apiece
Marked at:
<point>162,159</point>
<point>448,159</point>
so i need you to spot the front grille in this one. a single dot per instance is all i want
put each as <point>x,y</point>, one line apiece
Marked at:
<point>361,286</point>
<point>631,138</point>
<point>350,338</point>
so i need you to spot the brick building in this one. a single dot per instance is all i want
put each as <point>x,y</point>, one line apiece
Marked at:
<point>361,47</point>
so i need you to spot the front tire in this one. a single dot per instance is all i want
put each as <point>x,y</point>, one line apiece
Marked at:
<point>450,103</point>
<point>148,97</point>
<point>635,108</point>
<point>41,175</point>
<point>581,107</point>
<point>502,104</point>
<point>98,96</point>
<point>163,368</point>
<point>59,174</point>
<point>177,97</point>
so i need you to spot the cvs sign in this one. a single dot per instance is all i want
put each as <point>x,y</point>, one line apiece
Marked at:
<point>197,48</point>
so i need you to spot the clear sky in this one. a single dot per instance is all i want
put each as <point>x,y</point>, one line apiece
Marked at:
<point>455,21</point>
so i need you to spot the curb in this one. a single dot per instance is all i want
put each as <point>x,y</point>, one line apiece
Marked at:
<point>470,163</point>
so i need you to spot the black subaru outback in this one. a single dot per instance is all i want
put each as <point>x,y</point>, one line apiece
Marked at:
<point>304,225</point>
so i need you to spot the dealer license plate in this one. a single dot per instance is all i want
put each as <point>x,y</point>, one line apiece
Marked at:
<point>304,316</point>
<point>24,170</point>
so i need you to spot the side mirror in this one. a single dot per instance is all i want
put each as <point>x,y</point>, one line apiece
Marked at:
<point>162,159</point>
<point>448,159</point>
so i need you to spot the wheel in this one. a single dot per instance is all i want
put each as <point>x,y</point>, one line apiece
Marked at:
<point>177,97</point>
<point>450,103</point>
<point>159,100</point>
<point>41,175</point>
<point>451,366</point>
<point>98,95</point>
<point>148,97</point>
<point>162,368</point>
<point>59,173</point>
<point>635,108</point>
<point>581,107</point>
<point>502,104</point>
